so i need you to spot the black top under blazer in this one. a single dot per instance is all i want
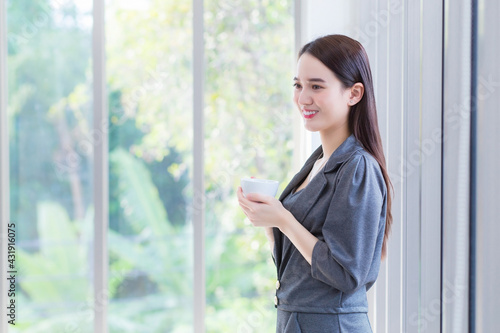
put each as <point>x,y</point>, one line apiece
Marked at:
<point>344,206</point>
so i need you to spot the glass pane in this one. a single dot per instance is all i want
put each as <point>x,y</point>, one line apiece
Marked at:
<point>249,72</point>
<point>149,75</point>
<point>51,152</point>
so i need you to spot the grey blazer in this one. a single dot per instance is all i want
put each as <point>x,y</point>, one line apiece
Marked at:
<point>344,206</point>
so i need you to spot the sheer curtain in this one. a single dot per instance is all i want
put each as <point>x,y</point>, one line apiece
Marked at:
<point>456,165</point>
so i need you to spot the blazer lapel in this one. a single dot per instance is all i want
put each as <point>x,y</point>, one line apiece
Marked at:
<point>308,197</point>
<point>312,191</point>
<point>299,177</point>
<point>296,180</point>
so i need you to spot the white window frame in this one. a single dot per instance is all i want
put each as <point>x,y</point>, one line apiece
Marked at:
<point>198,203</point>
<point>101,173</point>
<point>4,165</point>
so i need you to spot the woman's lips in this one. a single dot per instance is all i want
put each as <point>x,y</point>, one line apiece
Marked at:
<point>308,114</point>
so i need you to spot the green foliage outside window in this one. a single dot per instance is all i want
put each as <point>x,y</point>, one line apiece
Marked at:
<point>248,116</point>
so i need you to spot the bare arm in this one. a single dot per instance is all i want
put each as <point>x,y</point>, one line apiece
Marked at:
<point>270,238</point>
<point>303,240</point>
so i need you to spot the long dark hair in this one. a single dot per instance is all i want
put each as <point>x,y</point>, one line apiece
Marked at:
<point>348,60</point>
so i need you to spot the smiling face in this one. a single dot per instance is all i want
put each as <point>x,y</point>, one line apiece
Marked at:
<point>322,100</point>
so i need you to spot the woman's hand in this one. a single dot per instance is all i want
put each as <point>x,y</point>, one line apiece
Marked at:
<point>262,210</point>
<point>266,211</point>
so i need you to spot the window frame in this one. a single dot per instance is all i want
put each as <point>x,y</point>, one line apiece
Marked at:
<point>198,208</point>
<point>4,162</point>
<point>101,169</point>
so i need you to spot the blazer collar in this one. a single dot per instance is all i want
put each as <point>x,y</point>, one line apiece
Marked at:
<point>340,155</point>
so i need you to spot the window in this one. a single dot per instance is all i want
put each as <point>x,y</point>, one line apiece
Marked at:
<point>148,67</point>
<point>248,112</point>
<point>49,122</point>
<point>248,64</point>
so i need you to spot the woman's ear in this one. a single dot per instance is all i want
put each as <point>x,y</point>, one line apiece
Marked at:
<point>357,91</point>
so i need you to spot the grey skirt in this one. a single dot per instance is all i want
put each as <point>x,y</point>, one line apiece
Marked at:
<point>300,322</point>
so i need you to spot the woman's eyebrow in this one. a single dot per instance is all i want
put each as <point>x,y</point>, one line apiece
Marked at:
<point>311,80</point>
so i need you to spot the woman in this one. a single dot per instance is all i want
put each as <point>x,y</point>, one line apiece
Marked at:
<point>329,228</point>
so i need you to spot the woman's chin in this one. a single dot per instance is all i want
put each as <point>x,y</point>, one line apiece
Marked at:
<point>310,127</point>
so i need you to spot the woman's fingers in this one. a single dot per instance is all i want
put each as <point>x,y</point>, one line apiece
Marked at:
<point>244,203</point>
<point>252,197</point>
<point>246,208</point>
<point>257,197</point>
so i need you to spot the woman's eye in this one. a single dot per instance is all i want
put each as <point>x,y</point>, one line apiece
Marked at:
<point>315,86</point>
<point>296,85</point>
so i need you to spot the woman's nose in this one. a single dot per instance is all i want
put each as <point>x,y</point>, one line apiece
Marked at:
<point>304,98</point>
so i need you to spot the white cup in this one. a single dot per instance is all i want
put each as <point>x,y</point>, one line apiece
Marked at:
<point>262,186</point>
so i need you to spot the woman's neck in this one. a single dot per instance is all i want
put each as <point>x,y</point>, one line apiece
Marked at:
<point>331,140</point>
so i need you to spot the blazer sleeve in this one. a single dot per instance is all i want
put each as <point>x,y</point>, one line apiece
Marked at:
<point>344,256</point>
